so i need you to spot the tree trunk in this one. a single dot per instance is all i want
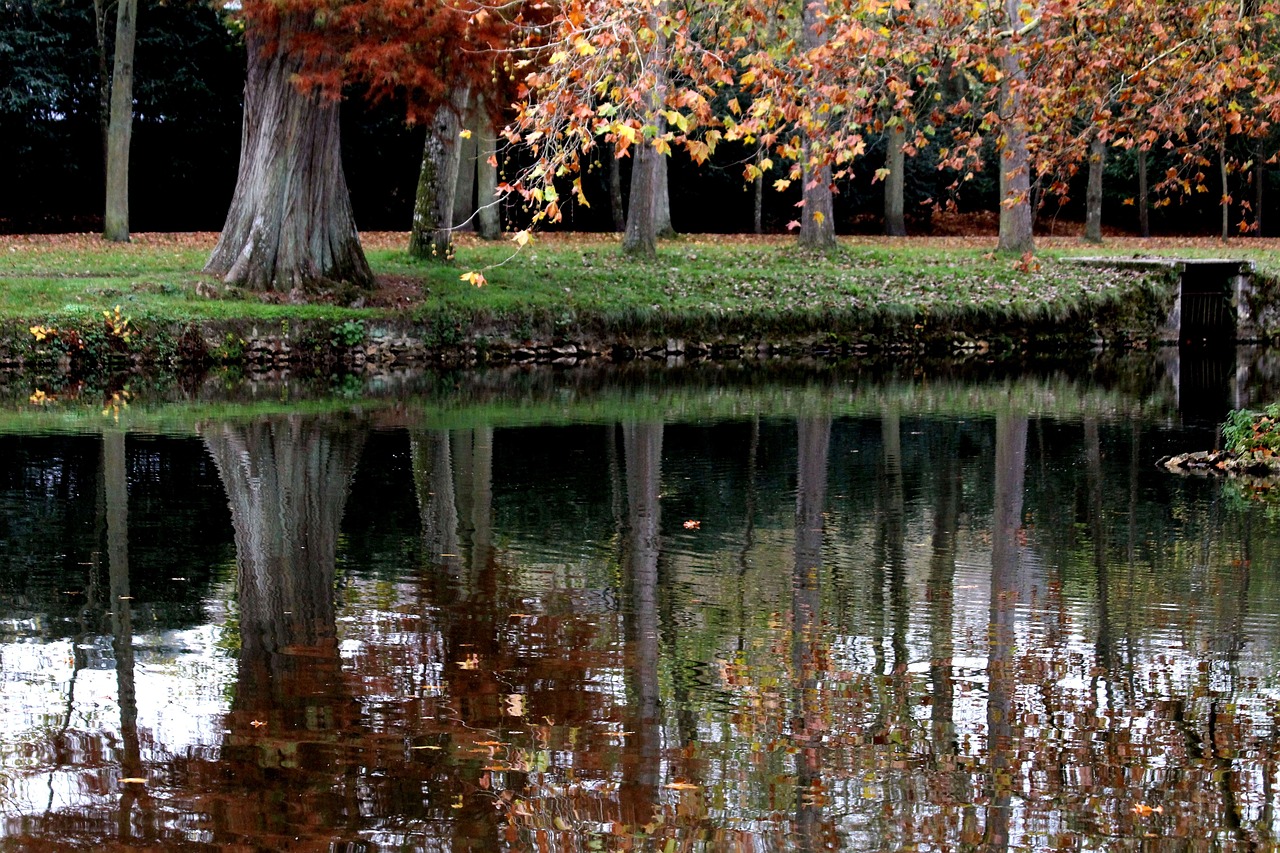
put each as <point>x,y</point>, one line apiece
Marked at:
<point>817,222</point>
<point>616,206</point>
<point>464,193</point>
<point>757,219</point>
<point>895,185</point>
<point>1093,197</point>
<point>290,225</point>
<point>431,236</point>
<point>641,236</point>
<point>104,76</point>
<point>662,199</point>
<point>1144,217</point>
<point>489,213</point>
<point>1259,182</point>
<point>1226,195</point>
<point>120,126</point>
<point>1014,158</point>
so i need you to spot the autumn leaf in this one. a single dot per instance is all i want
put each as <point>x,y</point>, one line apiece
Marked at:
<point>476,279</point>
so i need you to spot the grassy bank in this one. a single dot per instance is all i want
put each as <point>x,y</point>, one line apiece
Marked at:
<point>872,293</point>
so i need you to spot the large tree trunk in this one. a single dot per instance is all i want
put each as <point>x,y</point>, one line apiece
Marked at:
<point>1014,158</point>
<point>120,126</point>
<point>641,236</point>
<point>662,200</point>
<point>817,220</point>
<point>1093,196</point>
<point>464,193</point>
<point>489,214</point>
<point>1144,218</point>
<point>895,185</point>
<point>290,224</point>
<point>431,235</point>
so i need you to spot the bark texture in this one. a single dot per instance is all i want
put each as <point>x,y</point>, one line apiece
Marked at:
<point>895,185</point>
<point>641,236</point>
<point>464,194</point>
<point>120,125</point>
<point>489,214</point>
<point>1093,196</point>
<point>1015,160</point>
<point>432,233</point>
<point>662,199</point>
<point>290,225</point>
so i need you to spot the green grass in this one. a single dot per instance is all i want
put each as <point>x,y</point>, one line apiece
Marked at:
<point>580,285</point>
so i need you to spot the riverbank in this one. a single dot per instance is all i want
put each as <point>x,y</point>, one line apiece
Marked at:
<point>74,302</point>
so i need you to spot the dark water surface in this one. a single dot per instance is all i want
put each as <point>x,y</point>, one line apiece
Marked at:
<point>967,617</point>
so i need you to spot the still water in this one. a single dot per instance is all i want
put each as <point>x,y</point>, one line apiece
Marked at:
<point>851,616</point>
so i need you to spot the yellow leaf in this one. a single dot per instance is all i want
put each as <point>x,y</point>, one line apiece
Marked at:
<point>466,134</point>
<point>818,217</point>
<point>521,238</point>
<point>748,78</point>
<point>475,279</point>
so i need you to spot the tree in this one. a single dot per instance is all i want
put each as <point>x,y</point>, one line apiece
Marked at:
<point>120,126</point>
<point>1014,157</point>
<point>630,77</point>
<point>290,225</point>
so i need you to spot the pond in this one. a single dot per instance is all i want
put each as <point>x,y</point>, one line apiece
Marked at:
<point>713,610</point>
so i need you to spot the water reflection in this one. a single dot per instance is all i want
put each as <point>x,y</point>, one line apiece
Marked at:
<point>815,633</point>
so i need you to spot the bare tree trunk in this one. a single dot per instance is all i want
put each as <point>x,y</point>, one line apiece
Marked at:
<point>662,200</point>
<point>120,126</point>
<point>757,186</point>
<point>1014,158</point>
<point>290,224</point>
<point>817,219</point>
<point>615,189</point>
<point>489,214</point>
<point>431,236</point>
<point>1259,184</point>
<point>895,185</point>
<point>1093,197</point>
<point>1226,194</point>
<point>1144,218</point>
<point>464,193</point>
<point>104,75</point>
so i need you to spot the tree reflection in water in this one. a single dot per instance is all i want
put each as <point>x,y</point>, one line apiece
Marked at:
<point>885,634</point>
